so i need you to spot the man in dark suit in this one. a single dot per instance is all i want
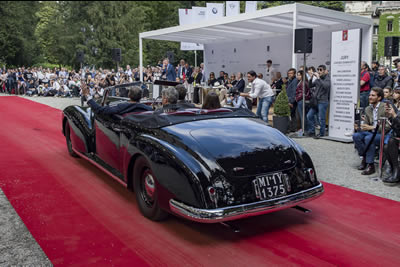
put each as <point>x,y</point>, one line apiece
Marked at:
<point>221,78</point>
<point>240,85</point>
<point>188,71</point>
<point>169,71</point>
<point>181,69</point>
<point>135,94</point>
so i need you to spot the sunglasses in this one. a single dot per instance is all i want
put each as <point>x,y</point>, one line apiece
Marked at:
<point>320,69</point>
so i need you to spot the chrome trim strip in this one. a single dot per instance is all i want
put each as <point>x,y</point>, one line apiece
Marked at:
<point>245,210</point>
<point>100,167</point>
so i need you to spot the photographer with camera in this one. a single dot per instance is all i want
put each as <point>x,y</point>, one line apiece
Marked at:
<point>237,100</point>
<point>262,90</point>
<point>391,148</point>
<point>108,81</point>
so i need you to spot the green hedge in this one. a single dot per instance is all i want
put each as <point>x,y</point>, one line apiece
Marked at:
<point>281,105</point>
<point>51,66</point>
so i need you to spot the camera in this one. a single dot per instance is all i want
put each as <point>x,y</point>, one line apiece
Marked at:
<point>233,92</point>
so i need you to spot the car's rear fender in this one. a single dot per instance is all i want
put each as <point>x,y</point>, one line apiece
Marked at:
<point>81,133</point>
<point>177,172</point>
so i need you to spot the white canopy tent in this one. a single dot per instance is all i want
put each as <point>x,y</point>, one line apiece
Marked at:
<point>244,31</point>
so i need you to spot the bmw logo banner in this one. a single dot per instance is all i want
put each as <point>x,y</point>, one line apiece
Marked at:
<point>214,11</point>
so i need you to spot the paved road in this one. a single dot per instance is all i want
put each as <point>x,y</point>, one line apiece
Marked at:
<point>335,163</point>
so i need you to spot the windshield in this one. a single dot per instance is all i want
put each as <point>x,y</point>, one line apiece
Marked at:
<point>153,120</point>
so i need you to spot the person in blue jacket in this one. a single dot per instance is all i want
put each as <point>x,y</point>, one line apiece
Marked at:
<point>169,71</point>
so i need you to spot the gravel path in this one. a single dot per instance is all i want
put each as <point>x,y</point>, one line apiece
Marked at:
<point>17,246</point>
<point>337,163</point>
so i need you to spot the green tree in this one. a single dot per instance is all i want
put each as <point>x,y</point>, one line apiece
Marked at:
<point>335,5</point>
<point>17,41</point>
<point>46,32</point>
<point>52,32</point>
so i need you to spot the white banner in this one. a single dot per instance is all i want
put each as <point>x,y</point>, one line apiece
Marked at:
<point>214,11</point>
<point>191,16</point>
<point>251,6</point>
<point>232,8</point>
<point>345,78</point>
<point>199,14</point>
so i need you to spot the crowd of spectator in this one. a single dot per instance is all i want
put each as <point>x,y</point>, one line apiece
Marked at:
<point>377,85</point>
<point>60,82</point>
<point>379,98</point>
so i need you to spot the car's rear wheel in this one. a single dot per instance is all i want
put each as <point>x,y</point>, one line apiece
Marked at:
<point>68,139</point>
<point>145,187</point>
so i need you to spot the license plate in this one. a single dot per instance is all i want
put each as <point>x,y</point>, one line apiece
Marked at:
<point>270,185</point>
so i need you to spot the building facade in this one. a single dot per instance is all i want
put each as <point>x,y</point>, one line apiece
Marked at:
<point>386,17</point>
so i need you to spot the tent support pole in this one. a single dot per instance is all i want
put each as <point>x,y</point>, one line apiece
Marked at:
<point>304,95</point>
<point>294,56</point>
<point>141,59</point>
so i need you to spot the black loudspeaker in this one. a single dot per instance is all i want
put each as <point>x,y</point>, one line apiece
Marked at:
<point>116,54</point>
<point>391,46</point>
<point>80,56</point>
<point>170,56</point>
<point>303,41</point>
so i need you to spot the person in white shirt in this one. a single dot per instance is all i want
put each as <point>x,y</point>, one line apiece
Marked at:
<point>262,90</point>
<point>56,85</point>
<point>128,71</point>
<point>269,72</point>
<point>40,76</point>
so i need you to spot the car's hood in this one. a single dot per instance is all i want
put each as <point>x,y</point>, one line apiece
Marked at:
<point>242,146</point>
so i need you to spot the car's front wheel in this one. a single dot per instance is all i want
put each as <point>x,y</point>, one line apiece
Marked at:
<point>145,187</point>
<point>68,139</point>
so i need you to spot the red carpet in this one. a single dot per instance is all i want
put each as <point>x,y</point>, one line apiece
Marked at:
<point>80,216</point>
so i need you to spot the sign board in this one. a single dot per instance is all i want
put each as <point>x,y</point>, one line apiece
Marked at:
<point>214,11</point>
<point>345,79</point>
<point>232,8</point>
<point>251,6</point>
<point>191,16</point>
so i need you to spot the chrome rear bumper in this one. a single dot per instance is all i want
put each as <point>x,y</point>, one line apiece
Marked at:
<point>245,210</point>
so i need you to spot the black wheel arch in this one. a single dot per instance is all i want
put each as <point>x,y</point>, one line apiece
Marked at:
<point>171,172</point>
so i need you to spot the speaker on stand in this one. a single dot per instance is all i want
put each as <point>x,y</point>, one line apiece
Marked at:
<point>303,39</point>
<point>80,57</point>
<point>116,56</point>
<point>391,48</point>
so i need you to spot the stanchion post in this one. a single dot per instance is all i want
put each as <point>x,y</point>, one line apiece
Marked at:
<point>195,58</point>
<point>382,143</point>
<point>304,96</point>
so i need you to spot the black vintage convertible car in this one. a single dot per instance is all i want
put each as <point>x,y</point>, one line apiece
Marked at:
<point>204,165</point>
